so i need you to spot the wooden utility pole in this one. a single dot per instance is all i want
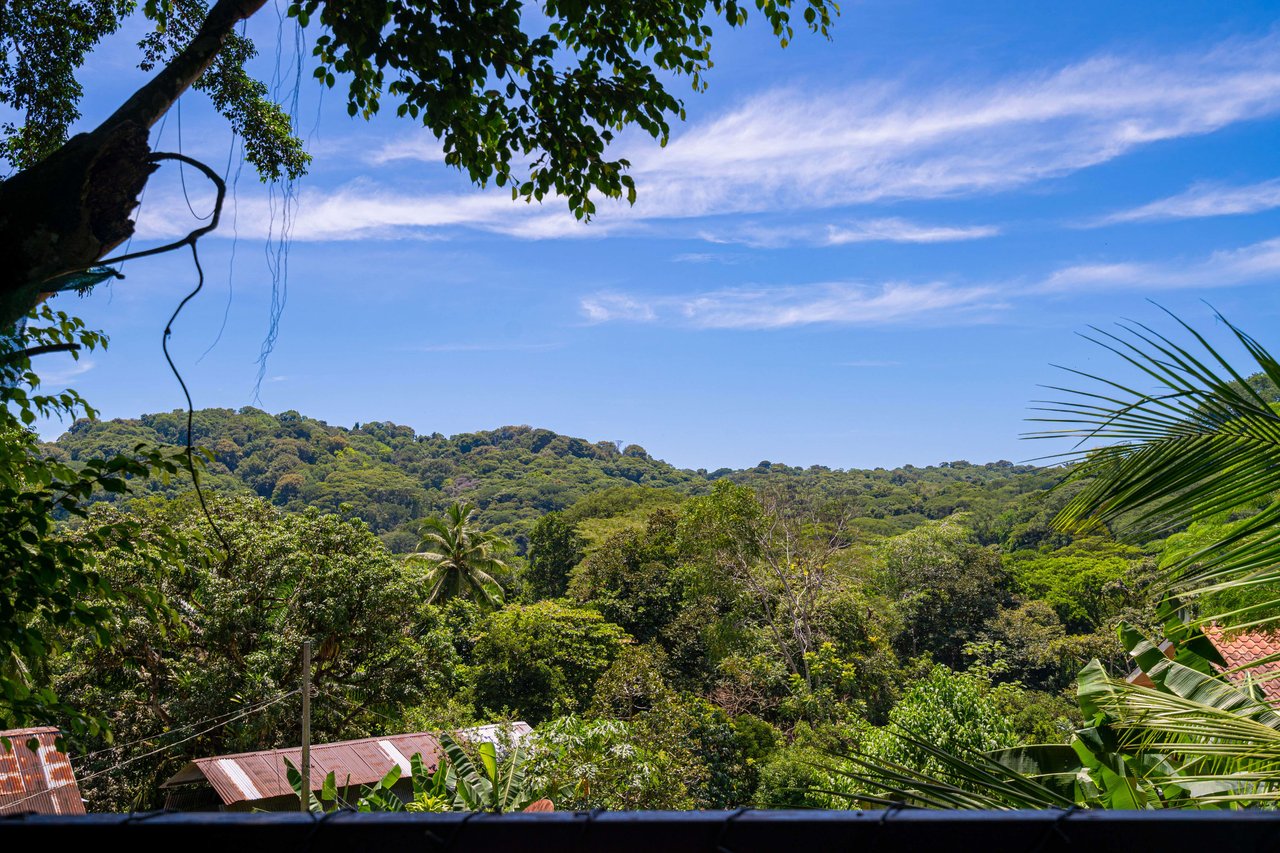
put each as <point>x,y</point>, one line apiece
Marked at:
<point>304,801</point>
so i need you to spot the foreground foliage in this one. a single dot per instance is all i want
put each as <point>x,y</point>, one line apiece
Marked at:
<point>1202,448</point>
<point>223,676</point>
<point>466,778</point>
<point>52,582</point>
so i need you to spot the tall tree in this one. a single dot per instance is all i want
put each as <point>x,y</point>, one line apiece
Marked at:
<point>946,587</point>
<point>461,558</point>
<point>543,659</point>
<point>780,554</point>
<point>554,549</point>
<point>524,95</point>
<point>231,652</point>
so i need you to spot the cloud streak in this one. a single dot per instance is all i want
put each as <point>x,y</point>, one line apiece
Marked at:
<point>1250,264</point>
<point>490,347</point>
<point>1202,200</point>
<point>884,230</point>
<point>838,303</point>
<point>363,210</point>
<point>53,377</point>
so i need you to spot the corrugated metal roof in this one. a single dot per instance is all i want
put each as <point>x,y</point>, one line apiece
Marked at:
<point>40,780</point>
<point>250,776</point>
<point>1241,650</point>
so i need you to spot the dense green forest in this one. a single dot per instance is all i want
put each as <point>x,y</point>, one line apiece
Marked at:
<point>955,636</point>
<point>678,638</point>
<point>391,477</point>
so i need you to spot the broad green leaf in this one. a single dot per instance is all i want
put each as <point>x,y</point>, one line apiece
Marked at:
<point>488,756</point>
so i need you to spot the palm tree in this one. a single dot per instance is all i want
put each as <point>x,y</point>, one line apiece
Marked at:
<point>461,558</point>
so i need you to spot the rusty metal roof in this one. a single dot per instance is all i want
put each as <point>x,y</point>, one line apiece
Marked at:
<point>250,776</point>
<point>40,780</point>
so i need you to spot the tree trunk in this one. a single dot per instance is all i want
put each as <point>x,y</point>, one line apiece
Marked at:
<point>69,210</point>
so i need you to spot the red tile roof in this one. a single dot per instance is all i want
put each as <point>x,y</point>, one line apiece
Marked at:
<point>39,781</point>
<point>1240,650</point>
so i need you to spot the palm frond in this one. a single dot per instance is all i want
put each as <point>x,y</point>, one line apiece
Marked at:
<point>1202,445</point>
<point>969,780</point>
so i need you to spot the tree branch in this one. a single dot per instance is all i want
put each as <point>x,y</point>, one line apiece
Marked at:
<point>153,100</point>
<point>40,350</point>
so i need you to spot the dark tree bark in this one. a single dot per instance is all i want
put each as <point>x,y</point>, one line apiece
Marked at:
<point>69,210</point>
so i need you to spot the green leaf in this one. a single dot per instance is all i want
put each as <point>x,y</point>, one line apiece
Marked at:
<point>392,777</point>
<point>488,756</point>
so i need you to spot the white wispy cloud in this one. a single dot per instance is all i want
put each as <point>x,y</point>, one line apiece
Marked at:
<point>787,149</point>
<point>1202,200</point>
<point>1256,262</point>
<point>784,151</point>
<point>57,372</point>
<point>840,303</point>
<point>364,209</point>
<point>858,304</point>
<point>419,147</point>
<point>887,230</point>
<point>707,258</point>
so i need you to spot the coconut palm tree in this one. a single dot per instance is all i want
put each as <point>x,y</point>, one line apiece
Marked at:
<point>461,558</point>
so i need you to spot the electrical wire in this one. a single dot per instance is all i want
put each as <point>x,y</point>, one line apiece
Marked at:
<point>161,749</point>
<point>252,707</point>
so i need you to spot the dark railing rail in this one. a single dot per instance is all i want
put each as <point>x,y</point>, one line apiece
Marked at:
<point>651,832</point>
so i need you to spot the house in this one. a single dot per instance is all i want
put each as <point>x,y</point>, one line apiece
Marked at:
<point>1239,651</point>
<point>258,781</point>
<point>38,780</point>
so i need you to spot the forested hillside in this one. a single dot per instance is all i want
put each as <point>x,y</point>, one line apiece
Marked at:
<point>725,629</point>
<point>390,476</point>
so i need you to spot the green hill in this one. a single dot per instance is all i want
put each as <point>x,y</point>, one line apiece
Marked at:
<point>391,476</point>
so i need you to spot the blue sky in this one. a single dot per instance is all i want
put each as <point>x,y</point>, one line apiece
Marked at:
<point>857,253</point>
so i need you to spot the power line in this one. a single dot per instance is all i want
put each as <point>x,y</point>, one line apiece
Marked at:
<point>191,725</point>
<point>166,748</point>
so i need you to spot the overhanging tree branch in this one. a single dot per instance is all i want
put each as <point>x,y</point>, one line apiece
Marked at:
<point>146,106</point>
<point>32,352</point>
<point>69,210</point>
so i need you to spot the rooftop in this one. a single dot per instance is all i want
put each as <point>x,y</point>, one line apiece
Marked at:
<point>251,776</point>
<point>1241,650</point>
<point>38,781</point>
